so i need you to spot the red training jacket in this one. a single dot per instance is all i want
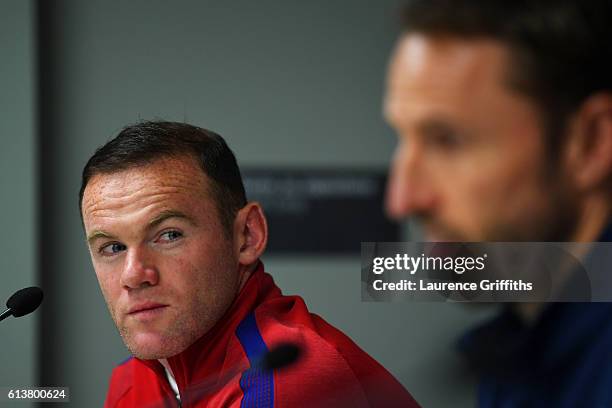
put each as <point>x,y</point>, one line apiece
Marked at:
<point>220,369</point>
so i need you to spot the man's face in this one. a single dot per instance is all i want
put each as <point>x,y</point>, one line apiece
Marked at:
<point>165,265</point>
<point>471,162</point>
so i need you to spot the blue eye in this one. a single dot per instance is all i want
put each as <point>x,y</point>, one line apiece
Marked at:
<point>112,248</point>
<point>170,236</point>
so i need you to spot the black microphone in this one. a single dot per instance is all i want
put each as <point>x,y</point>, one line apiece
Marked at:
<point>281,356</point>
<point>23,302</point>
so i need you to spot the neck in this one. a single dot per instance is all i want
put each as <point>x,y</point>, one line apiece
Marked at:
<point>594,217</point>
<point>246,273</point>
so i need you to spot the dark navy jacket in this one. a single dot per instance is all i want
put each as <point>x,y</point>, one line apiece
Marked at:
<point>564,360</point>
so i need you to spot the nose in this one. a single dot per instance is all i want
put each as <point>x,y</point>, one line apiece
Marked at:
<point>139,269</point>
<point>409,190</point>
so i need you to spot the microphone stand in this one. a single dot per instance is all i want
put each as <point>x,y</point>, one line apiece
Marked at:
<point>5,314</point>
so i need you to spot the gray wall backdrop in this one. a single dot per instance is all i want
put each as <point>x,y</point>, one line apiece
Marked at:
<point>18,337</point>
<point>286,82</point>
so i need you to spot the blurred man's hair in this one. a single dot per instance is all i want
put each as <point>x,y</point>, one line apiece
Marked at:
<point>561,51</point>
<point>142,143</point>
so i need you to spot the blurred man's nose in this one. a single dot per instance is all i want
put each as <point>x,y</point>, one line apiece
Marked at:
<point>139,270</point>
<point>409,190</point>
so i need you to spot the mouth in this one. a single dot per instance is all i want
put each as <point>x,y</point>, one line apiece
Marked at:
<point>436,234</point>
<point>146,309</point>
<point>437,238</point>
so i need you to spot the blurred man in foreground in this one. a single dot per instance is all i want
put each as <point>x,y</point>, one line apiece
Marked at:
<point>176,248</point>
<point>503,112</point>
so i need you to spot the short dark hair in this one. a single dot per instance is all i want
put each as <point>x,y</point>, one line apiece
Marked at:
<point>142,143</point>
<point>561,49</point>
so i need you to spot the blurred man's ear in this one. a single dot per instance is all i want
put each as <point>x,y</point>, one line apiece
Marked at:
<point>588,152</point>
<point>250,233</point>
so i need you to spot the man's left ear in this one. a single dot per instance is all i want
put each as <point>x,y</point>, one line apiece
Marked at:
<point>250,233</point>
<point>589,148</point>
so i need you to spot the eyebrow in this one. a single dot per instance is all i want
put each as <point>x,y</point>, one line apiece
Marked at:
<point>432,123</point>
<point>166,214</point>
<point>96,234</point>
<point>155,221</point>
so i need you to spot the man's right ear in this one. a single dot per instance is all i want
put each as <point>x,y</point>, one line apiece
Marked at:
<point>589,145</point>
<point>251,233</point>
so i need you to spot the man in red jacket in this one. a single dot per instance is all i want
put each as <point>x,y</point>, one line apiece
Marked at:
<point>176,247</point>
